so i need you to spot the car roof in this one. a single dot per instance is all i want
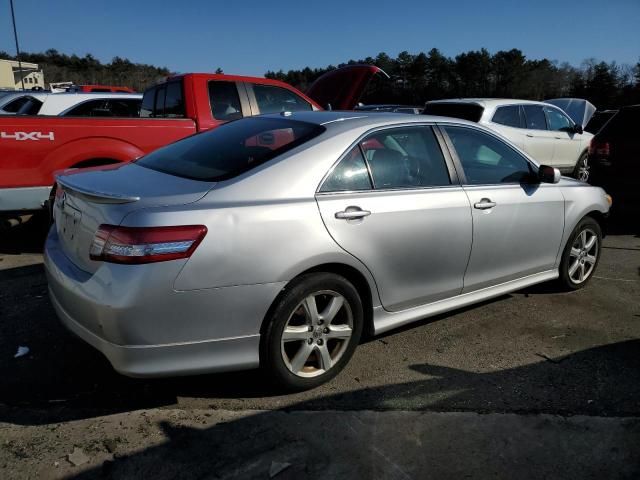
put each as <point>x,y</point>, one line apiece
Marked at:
<point>488,102</point>
<point>345,120</point>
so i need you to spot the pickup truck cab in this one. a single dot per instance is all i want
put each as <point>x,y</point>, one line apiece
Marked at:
<point>33,148</point>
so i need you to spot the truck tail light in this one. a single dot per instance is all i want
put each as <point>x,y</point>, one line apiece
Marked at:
<point>599,148</point>
<point>135,245</point>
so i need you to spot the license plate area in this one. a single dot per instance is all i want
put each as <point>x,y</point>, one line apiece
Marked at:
<point>69,222</point>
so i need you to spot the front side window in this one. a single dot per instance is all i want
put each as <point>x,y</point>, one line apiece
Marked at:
<point>272,99</point>
<point>230,149</point>
<point>509,116</point>
<point>408,157</point>
<point>534,116</point>
<point>487,160</point>
<point>350,174</point>
<point>557,120</point>
<point>224,100</point>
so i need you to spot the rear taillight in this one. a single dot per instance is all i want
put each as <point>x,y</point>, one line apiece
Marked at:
<point>599,148</point>
<point>134,245</point>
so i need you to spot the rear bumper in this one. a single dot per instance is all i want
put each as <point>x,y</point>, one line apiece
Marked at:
<point>147,329</point>
<point>23,198</point>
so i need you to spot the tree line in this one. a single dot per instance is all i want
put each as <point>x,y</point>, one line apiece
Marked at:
<point>414,78</point>
<point>59,67</point>
<point>477,73</point>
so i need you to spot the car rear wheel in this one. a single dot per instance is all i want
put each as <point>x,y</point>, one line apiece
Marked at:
<point>581,254</point>
<point>312,332</point>
<point>582,169</point>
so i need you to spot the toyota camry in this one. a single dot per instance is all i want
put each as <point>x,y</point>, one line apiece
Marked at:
<point>278,241</point>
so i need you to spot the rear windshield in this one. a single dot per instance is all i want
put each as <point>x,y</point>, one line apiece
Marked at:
<point>230,149</point>
<point>465,111</point>
<point>623,124</point>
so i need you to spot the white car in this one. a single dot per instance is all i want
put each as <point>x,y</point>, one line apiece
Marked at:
<point>542,130</point>
<point>71,104</point>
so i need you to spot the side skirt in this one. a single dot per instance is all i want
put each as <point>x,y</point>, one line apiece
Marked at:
<point>384,320</point>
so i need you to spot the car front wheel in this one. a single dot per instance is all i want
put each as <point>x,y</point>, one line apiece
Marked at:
<point>312,332</point>
<point>581,254</point>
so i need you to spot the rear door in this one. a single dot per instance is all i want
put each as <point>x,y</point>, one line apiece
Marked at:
<point>508,120</point>
<point>393,202</point>
<point>567,142</point>
<point>539,142</point>
<point>517,225</point>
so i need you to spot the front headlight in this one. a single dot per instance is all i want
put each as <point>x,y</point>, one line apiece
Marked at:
<point>609,199</point>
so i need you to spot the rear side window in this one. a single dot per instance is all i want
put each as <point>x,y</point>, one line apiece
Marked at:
<point>407,157</point>
<point>351,174</point>
<point>465,111</point>
<point>509,116</point>
<point>224,100</point>
<point>164,101</point>
<point>271,99</point>
<point>31,107</point>
<point>92,108</point>
<point>123,107</point>
<point>230,149</point>
<point>534,116</point>
<point>15,105</point>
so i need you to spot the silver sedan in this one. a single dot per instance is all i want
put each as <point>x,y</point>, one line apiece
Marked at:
<point>276,241</point>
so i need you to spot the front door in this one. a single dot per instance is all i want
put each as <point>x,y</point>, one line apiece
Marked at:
<point>517,223</point>
<point>567,141</point>
<point>394,203</point>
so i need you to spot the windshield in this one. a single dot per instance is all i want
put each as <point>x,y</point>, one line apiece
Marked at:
<point>230,149</point>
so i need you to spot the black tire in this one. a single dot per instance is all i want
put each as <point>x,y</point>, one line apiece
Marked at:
<point>275,359</point>
<point>567,279</point>
<point>582,170</point>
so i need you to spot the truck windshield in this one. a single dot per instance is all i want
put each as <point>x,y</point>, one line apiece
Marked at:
<point>230,149</point>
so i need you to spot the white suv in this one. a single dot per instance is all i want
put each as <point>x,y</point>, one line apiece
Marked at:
<point>542,130</point>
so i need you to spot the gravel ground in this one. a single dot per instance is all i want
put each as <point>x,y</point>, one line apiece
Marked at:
<point>536,353</point>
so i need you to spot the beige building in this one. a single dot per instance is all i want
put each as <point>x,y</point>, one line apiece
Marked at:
<point>10,75</point>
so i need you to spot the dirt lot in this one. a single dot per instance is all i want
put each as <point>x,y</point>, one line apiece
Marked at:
<point>555,377</point>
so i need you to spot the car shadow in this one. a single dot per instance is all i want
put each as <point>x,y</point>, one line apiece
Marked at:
<point>23,234</point>
<point>603,380</point>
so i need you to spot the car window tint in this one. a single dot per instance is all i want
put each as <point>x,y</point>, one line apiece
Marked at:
<point>224,100</point>
<point>486,159</point>
<point>230,149</point>
<point>509,116</point>
<point>15,105</point>
<point>350,174</point>
<point>407,157</point>
<point>534,116</point>
<point>85,109</point>
<point>124,107</point>
<point>31,107</point>
<point>272,99</point>
<point>174,102</point>
<point>557,120</point>
<point>148,99</point>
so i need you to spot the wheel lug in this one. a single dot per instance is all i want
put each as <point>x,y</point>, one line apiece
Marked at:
<point>326,330</point>
<point>320,322</point>
<point>320,341</point>
<point>310,341</point>
<point>310,329</point>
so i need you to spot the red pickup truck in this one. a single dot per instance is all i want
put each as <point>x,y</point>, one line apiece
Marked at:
<point>33,148</point>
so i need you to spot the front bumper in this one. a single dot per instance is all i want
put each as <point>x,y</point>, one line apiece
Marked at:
<point>22,199</point>
<point>153,330</point>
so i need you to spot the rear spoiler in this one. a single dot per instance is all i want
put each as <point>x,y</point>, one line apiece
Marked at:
<point>92,195</point>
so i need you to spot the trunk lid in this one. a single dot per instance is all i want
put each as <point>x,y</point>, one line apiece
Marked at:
<point>342,88</point>
<point>89,198</point>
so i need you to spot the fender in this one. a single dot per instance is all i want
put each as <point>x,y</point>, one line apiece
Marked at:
<point>76,151</point>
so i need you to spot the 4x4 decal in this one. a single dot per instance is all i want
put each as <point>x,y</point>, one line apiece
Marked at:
<point>21,136</point>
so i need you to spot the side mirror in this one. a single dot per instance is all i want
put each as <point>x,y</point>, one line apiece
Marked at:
<point>547,174</point>
<point>578,129</point>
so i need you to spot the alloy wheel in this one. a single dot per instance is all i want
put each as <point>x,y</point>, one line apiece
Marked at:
<point>583,169</point>
<point>317,333</point>
<point>583,256</point>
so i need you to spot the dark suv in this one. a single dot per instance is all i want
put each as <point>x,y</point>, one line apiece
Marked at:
<point>614,156</point>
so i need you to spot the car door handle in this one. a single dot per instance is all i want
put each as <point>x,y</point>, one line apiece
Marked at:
<point>351,213</point>
<point>529,135</point>
<point>484,204</point>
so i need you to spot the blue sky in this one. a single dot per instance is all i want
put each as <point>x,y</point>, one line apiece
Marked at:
<point>248,37</point>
